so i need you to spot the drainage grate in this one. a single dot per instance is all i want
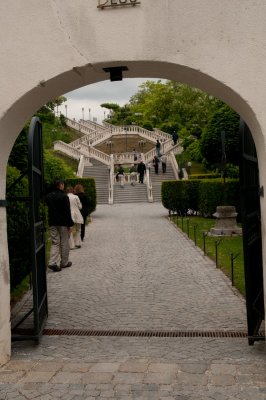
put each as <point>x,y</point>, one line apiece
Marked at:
<point>116,333</point>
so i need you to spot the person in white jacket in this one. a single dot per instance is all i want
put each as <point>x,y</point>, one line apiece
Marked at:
<point>75,207</point>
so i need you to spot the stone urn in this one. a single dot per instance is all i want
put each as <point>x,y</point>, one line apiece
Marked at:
<point>225,222</point>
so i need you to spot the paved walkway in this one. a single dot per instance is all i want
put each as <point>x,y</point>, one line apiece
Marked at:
<point>136,271</point>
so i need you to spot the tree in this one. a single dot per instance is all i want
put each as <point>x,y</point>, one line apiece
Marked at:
<point>227,120</point>
<point>46,112</point>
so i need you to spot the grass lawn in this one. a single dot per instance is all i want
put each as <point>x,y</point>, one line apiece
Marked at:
<point>227,247</point>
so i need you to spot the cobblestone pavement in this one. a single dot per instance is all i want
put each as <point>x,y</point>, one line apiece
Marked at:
<point>136,271</point>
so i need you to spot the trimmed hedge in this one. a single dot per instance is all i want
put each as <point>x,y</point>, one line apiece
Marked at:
<point>204,176</point>
<point>89,188</point>
<point>199,195</point>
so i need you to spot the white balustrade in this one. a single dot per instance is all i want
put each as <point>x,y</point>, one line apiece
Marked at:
<point>94,153</point>
<point>111,181</point>
<point>149,185</point>
<point>81,166</point>
<point>174,164</point>
<point>68,150</point>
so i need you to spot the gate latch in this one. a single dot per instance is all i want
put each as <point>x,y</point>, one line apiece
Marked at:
<point>261,191</point>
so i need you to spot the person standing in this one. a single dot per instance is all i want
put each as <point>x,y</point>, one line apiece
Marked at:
<point>60,222</point>
<point>155,162</point>
<point>75,207</point>
<point>164,162</point>
<point>158,148</point>
<point>141,170</point>
<point>79,191</point>
<point>133,175</point>
<point>134,153</point>
<point>175,137</point>
<point>121,176</point>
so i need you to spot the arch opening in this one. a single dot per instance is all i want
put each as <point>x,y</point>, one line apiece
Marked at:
<point>21,110</point>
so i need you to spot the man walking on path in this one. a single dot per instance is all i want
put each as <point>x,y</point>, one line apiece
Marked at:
<point>60,221</point>
<point>141,171</point>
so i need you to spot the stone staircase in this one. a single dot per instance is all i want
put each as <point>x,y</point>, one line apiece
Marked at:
<point>130,194</point>
<point>158,179</point>
<point>100,173</point>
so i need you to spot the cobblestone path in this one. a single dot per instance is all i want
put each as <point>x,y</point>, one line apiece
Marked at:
<point>136,271</point>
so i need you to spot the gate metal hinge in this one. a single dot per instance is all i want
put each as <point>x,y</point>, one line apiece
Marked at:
<point>3,203</point>
<point>261,191</point>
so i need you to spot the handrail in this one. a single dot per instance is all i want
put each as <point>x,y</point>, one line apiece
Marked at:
<point>94,125</point>
<point>174,164</point>
<point>68,150</point>
<point>149,185</point>
<point>111,181</point>
<point>97,154</point>
<point>81,166</point>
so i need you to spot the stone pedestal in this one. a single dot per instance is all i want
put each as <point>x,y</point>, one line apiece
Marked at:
<point>225,222</point>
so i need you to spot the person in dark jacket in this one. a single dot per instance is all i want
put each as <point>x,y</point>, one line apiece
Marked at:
<point>155,163</point>
<point>60,221</point>
<point>175,137</point>
<point>141,171</point>
<point>79,191</point>
<point>158,148</point>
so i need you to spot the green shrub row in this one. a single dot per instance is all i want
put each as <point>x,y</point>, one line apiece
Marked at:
<point>201,196</point>
<point>204,176</point>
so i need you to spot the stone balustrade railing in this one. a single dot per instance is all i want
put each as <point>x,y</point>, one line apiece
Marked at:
<point>125,158</point>
<point>79,126</point>
<point>149,185</point>
<point>90,151</point>
<point>81,166</point>
<point>93,125</point>
<point>174,164</point>
<point>111,181</point>
<point>137,130</point>
<point>70,151</point>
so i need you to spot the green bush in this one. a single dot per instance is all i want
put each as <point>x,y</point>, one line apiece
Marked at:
<point>210,175</point>
<point>202,196</point>
<point>175,196</point>
<point>18,228</point>
<point>213,193</point>
<point>55,168</point>
<point>89,188</point>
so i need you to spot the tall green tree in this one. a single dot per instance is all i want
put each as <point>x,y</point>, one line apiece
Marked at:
<point>227,120</point>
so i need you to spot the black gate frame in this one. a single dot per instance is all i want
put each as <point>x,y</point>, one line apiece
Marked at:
<point>252,242</point>
<point>37,239</point>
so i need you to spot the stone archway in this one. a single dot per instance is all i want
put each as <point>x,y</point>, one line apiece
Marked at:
<point>50,48</point>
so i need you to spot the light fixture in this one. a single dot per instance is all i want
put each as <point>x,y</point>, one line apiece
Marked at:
<point>116,73</point>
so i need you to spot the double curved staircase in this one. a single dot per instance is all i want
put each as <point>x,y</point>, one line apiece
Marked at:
<point>99,165</point>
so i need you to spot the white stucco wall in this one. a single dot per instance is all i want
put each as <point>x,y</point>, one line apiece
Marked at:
<point>49,47</point>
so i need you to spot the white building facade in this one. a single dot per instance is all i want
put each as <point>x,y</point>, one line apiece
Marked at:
<point>50,47</point>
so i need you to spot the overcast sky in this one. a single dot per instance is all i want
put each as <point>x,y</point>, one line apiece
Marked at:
<point>92,96</point>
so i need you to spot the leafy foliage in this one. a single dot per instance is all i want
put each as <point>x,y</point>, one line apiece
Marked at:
<point>201,196</point>
<point>18,157</point>
<point>18,230</point>
<point>227,120</point>
<point>55,168</point>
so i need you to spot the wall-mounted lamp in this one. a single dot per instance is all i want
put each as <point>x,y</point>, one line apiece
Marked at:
<point>116,73</point>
